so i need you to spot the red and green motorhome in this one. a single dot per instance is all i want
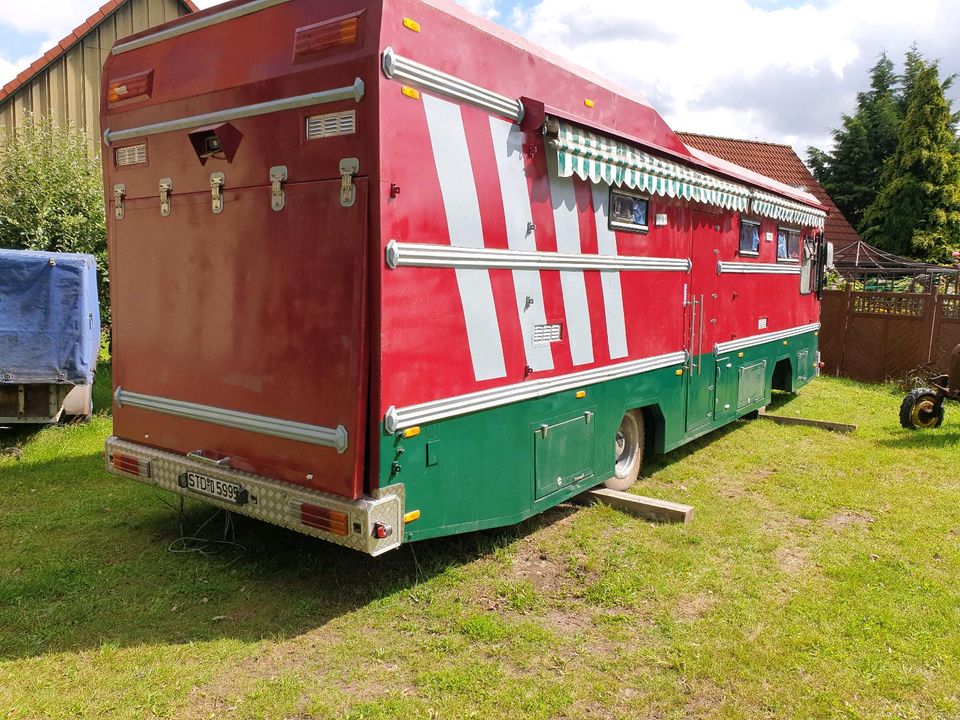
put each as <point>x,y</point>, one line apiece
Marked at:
<point>383,271</point>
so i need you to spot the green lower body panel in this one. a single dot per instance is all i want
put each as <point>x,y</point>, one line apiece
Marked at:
<point>499,466</point>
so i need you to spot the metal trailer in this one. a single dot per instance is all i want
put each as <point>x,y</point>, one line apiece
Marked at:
<point>49,336</point>
<point>383,271</point>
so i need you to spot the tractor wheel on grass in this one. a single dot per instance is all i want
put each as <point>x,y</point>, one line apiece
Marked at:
<point>920,410</point>
<point>628,451</point>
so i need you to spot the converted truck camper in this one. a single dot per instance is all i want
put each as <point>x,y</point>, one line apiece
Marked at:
<point>383,271</point>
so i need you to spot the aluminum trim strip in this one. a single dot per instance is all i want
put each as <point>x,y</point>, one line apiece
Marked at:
<point>748,268</point>
<point>287,429</point>
<point>353,92</point>
<point>400,418</point>
<point>397,67</point>
<point>446,256</point>
<point>752,340</point>
<point>192,25</point>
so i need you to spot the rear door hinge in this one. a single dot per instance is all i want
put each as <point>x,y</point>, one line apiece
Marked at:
<point>166,186</point>
<point>278,176</point>
<point>216,191</point>
<point>119,193</point>
<point>348,191</point>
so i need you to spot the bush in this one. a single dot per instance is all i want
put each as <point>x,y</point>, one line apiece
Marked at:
<point>51,194</point>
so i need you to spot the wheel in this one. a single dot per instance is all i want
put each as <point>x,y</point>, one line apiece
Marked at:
<point>920,410</point>
<point>628,451</point>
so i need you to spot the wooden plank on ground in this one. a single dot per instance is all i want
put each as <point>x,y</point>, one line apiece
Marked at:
<point>645,507</point>
<point>822,424</point>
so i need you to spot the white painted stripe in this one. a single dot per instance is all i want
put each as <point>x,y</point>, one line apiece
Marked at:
<point>459,192</point>
<point>508,148</point>
<point>400,418</point>
<point>567,227</point>
<point>612,289</point>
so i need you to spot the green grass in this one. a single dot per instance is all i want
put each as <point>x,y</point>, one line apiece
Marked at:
<point>818,579</point>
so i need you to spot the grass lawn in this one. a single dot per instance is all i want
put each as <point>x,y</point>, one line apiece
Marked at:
<point>820,578</point>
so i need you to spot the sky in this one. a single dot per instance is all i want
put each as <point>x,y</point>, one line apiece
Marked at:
<point>773,70</point>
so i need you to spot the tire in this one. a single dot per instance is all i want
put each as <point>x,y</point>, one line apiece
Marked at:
<point>920,411</point>
<point>628,446</point>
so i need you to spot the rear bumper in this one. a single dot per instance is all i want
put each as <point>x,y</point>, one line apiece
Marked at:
<point>270,500</point>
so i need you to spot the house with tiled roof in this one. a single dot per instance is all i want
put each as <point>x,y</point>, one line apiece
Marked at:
<point>781,163</point>
<point>64,83</point>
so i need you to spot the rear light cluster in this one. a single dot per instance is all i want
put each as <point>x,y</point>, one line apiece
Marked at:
<point>314,40</point>
<point>130,464</point>
<point>331,521</point>
<point>132,86</point>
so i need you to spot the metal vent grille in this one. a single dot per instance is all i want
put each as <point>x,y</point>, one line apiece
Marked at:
<point>131,155</point>
<point>546,334</point>
<point>332,124</point>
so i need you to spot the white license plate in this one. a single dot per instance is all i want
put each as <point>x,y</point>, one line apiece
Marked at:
<point>213,487</point>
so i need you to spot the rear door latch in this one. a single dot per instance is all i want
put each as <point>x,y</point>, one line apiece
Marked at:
<point>348,191</point>
<point>166,185</point>
<point>119,193</point>
<point>278,176</point>
<point>216,191</point>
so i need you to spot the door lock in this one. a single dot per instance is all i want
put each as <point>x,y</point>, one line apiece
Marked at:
<point>216,192</point>
<point>278,176</point>
<point>119,193</point>
<point>166,186</point>
<point>348,191</point>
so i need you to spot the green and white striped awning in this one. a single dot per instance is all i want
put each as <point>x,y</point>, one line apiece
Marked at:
<point>601,159</point>
<point>778,208</point>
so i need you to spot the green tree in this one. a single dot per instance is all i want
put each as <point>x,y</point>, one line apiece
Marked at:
<point>851,173</point>
<point>51,192</point>
<point>917,211</point>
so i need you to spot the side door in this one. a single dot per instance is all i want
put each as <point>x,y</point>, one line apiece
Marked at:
<point>701,321</point>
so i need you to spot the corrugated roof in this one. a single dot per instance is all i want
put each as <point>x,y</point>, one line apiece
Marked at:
<point>69,41</point>
<point>781,163</point>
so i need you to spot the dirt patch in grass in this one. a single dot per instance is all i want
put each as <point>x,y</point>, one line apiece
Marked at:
<point>535,566</point>
<point>791,559</point>
<point>569,621</point>
<point>847,519</point>
<point>694,607</point>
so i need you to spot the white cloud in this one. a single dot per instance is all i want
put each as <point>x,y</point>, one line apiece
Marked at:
<point>485,8</point>
<point>727,67</point>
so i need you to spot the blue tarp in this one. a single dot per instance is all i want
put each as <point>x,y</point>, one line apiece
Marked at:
<point>49,317</point>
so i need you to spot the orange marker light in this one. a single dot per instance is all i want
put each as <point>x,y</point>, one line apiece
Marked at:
<point>411,516</point>
<point>411,432</point>
<point>581,394</point>
<point>411,24</point>
<point>410,92</point>
<point>336,33</point>
<point>129,87</point>
<point>589,103</point>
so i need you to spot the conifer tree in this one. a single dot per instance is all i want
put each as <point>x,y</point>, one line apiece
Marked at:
<point>917,211</point>
<point>851,173</point>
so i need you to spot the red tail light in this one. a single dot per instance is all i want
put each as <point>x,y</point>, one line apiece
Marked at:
<point>331,521</point>
<point>130,464</point>
<point>127,88</point>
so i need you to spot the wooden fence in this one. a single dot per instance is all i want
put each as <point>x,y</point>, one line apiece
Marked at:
<point>882,336</point>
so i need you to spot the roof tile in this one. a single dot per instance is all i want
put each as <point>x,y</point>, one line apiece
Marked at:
<point>781,163</point>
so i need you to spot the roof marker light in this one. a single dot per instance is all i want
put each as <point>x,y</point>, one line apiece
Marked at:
<point>411,24</point>
<point>581,394</point>
<point>410,92</point>
<point>130,86</point>
<point>589,103</point>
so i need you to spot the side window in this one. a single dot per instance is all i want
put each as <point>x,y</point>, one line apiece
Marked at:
<point>749,237</point>
<point>808,263</point>
<point>629,211</point>
<point>788,244</point>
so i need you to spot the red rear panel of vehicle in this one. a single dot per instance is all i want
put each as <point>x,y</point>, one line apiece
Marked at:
<point>251,310</point>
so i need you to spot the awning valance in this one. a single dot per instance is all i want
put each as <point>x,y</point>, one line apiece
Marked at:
<point>602,159</point>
